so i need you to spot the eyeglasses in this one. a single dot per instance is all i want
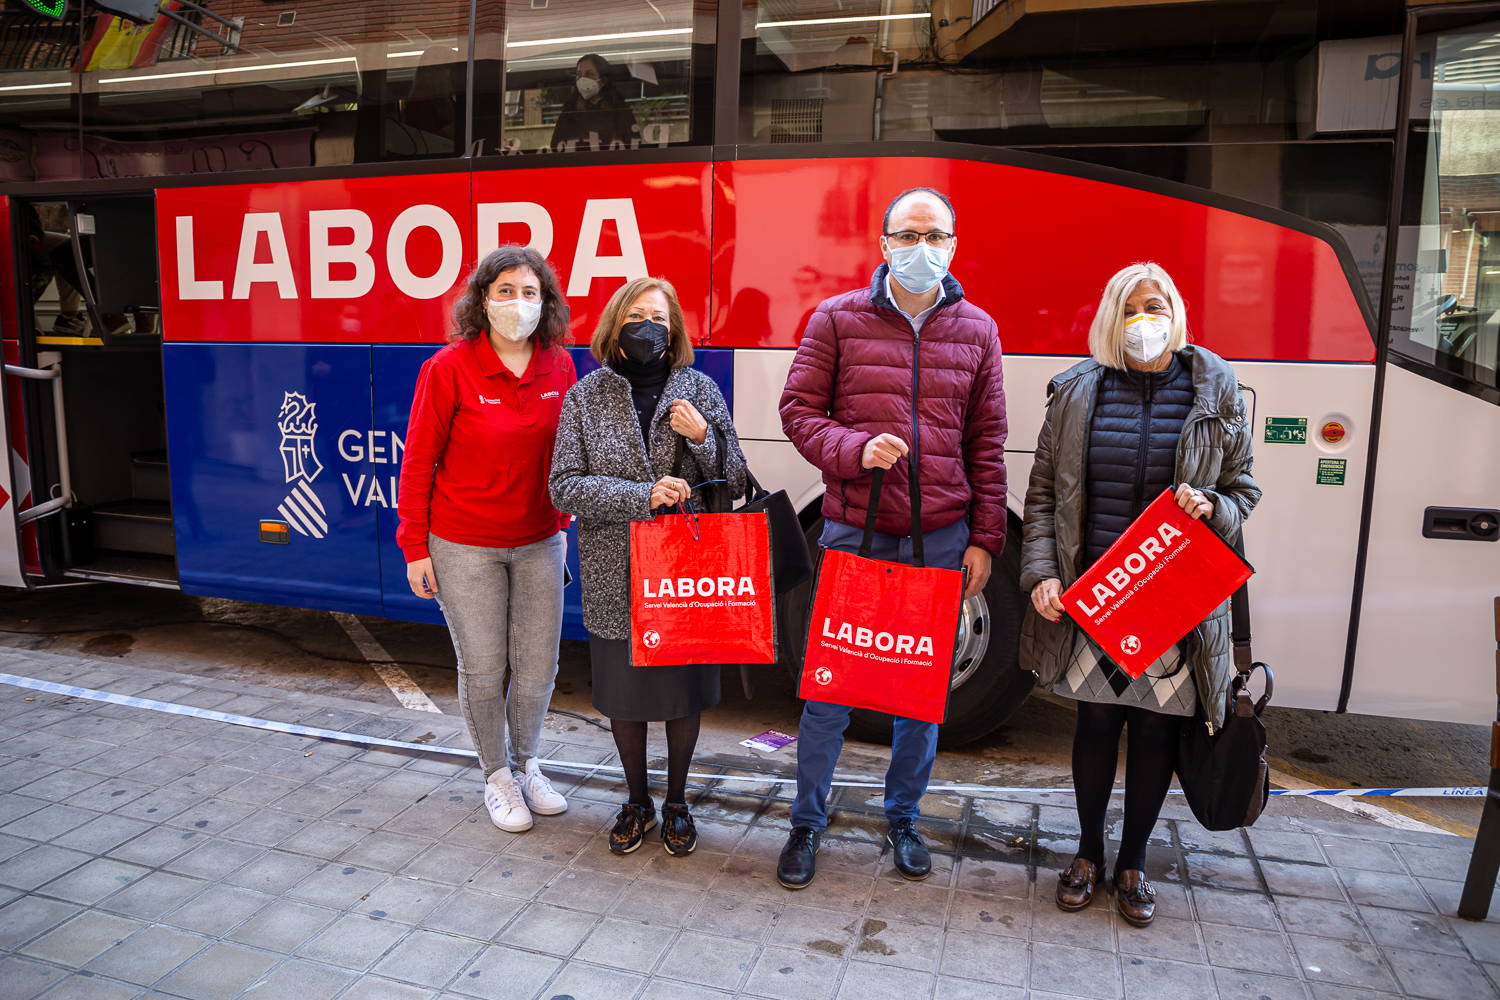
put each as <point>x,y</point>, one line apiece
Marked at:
<point>909,238</point>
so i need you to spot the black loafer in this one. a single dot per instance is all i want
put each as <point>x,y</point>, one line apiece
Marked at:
<point>911,856</point>
<point>799,858</point>
<point>631,826</point>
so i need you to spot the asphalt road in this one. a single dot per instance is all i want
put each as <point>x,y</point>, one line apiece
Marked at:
<point>311,651</point>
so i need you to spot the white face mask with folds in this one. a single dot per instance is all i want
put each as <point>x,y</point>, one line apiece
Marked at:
<point>1146,336</point>
<point>513,319</point>
<point>588,87</point>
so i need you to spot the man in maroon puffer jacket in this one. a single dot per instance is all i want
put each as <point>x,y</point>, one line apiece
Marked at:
<point>903,369</point>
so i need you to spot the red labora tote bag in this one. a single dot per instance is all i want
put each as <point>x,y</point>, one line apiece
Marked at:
<point>1153,586</point>
<point>701,590</point>
<point>881,634</point>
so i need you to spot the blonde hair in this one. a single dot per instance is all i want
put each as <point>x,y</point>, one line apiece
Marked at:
<point>605,345</point>
<point>1107,332</point>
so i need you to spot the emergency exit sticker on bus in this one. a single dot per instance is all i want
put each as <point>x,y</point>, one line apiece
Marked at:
<point>1286,430</point>
<point>1331,471</point>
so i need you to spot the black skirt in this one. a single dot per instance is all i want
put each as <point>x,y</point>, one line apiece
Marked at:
<point>648,694</point>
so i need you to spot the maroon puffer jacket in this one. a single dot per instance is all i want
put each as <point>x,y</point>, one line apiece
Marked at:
<point>853,378</point>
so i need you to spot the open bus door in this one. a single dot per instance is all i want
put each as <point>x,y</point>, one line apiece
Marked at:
<point>84,402</point>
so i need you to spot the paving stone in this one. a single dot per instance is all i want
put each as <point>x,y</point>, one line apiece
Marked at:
<point>1153,979</point>
<point>827,932</point>
<point>154,894</point>
<point>61,785</point>
<point>369,811</point>
<point>302,980</point>
<point>902,943</point>
<point>1438,977</point>
<point>1234,984</point>
<point>354,941</point>
<point>1396,890</point>
<point>926,904</point>
<point>102,833</point>
<point>1481,938</point>
<point>23,979</point>
<point>216,910</point>
<point>109,795</point>
<point>157,846</point>
<point>666,989</point>
<point>984,957</point>
<point>1286,879</point>
<point>745,918</point>
<point>793,975</point>
<point>427,958</point>
<point>86,986</point>
<point>404,899</point>
<point>445,863</point>
<point>321,839</point>
<point>707,961</point>
<point>214,858</point>
<point>81,939</point>
<point>30,916</point>
<point>1415,931</point>
<point>337,885</point>
<point>1222,872</point>
<point>48,822</point>
<point>1277,845</point>
<point>1344,963</point>
<point>1434,862</point>
<point>159,805</point>
<point>389,852</point>
<point>473,914</point>
<point>148,955</point>
<point>1239,909</point>
<point>282,926</point>
<point>1075,971</point>
<point>1245,949</point>
<point>219,973</point>
<point>372,988</point>
<point>41,864</point>
<point>1321,918</point>
<point>863,980</point>
<point>1090,928</point>
<point>994,878</point>
<point>274,872</point>
<point>949,988</point>
<point>501,973</point>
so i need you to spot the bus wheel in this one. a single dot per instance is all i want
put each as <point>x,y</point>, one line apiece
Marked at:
<point>988,683</point>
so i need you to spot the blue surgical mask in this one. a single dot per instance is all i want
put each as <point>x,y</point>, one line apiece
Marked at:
<point>919,267</point>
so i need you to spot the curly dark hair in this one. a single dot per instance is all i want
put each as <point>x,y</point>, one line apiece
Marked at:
<point>469,319</point>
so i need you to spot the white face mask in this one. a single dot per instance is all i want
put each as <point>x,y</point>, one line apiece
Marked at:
<point>513,319</point>
<point>588,87</point>
<point>1146,336</point>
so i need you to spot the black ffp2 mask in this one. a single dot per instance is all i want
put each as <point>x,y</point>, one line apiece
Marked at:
<point>642,340</point>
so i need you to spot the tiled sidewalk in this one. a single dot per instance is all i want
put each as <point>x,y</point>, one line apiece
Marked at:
<point>144,854</point>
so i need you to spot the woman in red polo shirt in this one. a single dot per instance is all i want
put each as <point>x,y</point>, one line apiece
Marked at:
<point>478,527</point>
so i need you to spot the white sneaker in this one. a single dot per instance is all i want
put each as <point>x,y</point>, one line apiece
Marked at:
<point>503,799</point>
<point>543,799</point>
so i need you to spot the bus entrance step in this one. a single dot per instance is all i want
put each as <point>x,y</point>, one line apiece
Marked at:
<point>149,479</point>
<point>135,526</point>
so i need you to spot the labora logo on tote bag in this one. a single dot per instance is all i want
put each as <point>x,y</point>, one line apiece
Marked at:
<point>700,590</point>
<point>881,634</point>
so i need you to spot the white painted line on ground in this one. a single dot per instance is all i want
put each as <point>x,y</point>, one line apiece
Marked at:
<point>1364,810</point>
<point>399,681</point>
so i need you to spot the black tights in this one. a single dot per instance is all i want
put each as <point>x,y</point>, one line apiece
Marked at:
<point>1148,775</point>
<point>682,739</point>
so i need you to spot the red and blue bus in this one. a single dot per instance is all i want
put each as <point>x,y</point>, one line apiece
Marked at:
<point>236,233</point>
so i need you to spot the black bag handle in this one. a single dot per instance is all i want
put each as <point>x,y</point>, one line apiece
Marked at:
<point>877,482</point>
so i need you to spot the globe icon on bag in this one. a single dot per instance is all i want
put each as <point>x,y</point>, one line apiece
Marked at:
<point>652,639</point>
<point>1130,645</point>
<point>823,675</point>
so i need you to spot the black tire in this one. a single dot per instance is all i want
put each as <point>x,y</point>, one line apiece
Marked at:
<point>988,696</point>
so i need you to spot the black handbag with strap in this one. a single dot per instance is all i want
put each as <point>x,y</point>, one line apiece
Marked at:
<point>1224,774</point>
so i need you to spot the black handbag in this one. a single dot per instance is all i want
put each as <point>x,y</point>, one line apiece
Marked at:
<point>791,563</point>
<point>1224,774</point>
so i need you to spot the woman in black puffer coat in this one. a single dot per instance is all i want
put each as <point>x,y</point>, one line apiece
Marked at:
<point>1148,412</point>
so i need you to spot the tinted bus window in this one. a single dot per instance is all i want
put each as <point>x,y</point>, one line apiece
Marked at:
<point>593,75</point>
<point>37,91</point>
<point>1447,295</point>
<point>249,87</point>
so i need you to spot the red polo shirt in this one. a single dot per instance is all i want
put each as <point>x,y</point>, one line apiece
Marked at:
<point>479,449</point>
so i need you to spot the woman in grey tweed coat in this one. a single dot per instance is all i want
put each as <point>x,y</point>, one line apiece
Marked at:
<point>634,436</point>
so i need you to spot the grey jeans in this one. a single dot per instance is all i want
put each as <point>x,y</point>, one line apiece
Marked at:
<point>504,610</point>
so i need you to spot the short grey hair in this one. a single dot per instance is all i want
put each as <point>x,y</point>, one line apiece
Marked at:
<point>1107,332</point>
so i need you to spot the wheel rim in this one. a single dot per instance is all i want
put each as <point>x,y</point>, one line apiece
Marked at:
<point>973,639</point>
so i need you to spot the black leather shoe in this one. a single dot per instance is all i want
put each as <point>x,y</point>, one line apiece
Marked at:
<point>799,858</point>
<point>908,851</point>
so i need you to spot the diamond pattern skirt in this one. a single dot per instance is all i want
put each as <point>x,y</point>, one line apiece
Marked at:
<point>1166,686</point>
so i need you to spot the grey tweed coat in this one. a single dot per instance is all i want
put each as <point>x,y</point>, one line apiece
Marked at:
<point>602,474</point>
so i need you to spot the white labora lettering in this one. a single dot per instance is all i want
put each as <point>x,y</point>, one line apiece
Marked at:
<point>189,286</point>
<point>1133,562</point>
<point>429,217</point>
<point>322,254</point>
<point>276,271</point>
<point>588,264</point>
<point>489,216</point>
<point>883,641</point>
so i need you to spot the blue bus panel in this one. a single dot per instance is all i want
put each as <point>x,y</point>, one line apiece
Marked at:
<point>312,437</point>
<point>250,432</point>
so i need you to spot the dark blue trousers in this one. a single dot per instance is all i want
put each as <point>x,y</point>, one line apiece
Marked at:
<point>820,736</point>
